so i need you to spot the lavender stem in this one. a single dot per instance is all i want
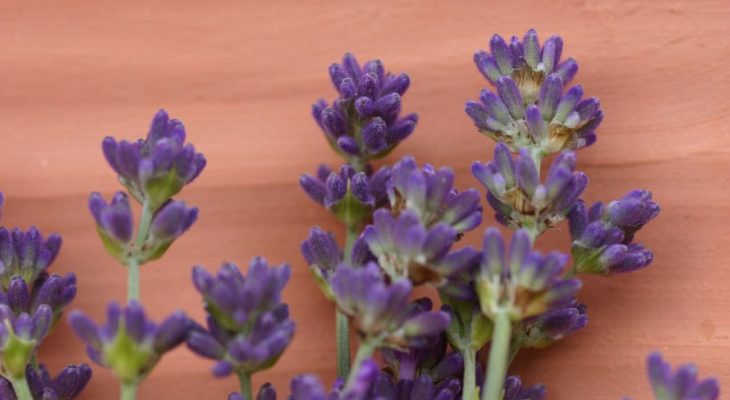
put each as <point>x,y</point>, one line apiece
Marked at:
<point>133,260</point>
<point>22,391</point>
<point>129,391</point>
<point>244,378</point>
<point>498,356</point>
<point>343,326</point>
<point>365,351</point>
<point>470,384</point>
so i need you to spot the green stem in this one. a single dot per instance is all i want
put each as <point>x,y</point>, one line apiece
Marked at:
<point>498,356</point>
<point>133,261</point>
<point>342,324</point>
<point>129,391</point>
<point>133,279</point>
<point>20,386</point>
<point>244,378</point>
<point>470,365</point>
<point>366,350</point>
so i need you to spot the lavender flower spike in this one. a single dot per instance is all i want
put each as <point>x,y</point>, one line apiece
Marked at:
<point>430,193</point>
<point>53,291</point>
<point>518,197</point>
<point>681,384</point>
<point>349,194</point>
<point>26,254</point>
<point>520,281</point>
<point>603,235</point>
<point>129,343</point>
<point>529,108</point>
<point>169,222</point>
<point>381,310</point>
<point>156,168</point>
<point>363,124</point>
<point>406,249</point>
<point>248,325</point>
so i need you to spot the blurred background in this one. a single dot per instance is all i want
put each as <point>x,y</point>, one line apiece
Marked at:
<point>242,76</point>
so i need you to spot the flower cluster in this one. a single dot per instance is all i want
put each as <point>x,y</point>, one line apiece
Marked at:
<point>521,282</point>
<point>552,325</point>
<point>382,311</point>
<point>431,195</point>
<point>248,325</point>
<point>115,225</point>
<point>350,195</point>
<point>364,122</point>
<point>519,198</point>
<point>681,384</point>
<point>155,168</point>
<point>129,343</point>
<point>603,235</point>
<point>65,386</point>
<point>529,109</point>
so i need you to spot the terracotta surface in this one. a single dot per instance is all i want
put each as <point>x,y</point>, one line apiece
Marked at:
<point>242,76</point>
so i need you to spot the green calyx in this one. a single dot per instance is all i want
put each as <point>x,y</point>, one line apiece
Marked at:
<point>350,210</point>
<point>159,189</point>
<point>587,261</point>
<point>16,354</point>
<point>127,358</point>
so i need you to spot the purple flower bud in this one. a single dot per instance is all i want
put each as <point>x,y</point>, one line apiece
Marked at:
<point>514,390</point>
<point>65,386</point>
<point>26,254</point>
<point>321,250</point>
<point>373,135</point>
<point>172,220</point>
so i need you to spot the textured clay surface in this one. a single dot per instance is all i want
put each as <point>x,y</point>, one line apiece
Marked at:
<point>242,76</point>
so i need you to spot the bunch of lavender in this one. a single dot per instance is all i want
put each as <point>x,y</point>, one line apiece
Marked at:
<point>152,170</point>
<point>529,298</point>
<point>248,325</point>
<point>31,302</point>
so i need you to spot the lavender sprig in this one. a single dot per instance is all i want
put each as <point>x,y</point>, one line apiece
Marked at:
<point>513,286</point>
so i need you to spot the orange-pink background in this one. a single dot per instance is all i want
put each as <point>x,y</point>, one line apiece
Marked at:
<point>242,75</point>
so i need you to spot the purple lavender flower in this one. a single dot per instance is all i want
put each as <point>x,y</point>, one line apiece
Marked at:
<point>421,388</point>
<point>529,108</point>
<point>363,123</point>
<point>432,360</point>
<point>115,226</point>
<point>602,235</point>
<point>522,282</point>
<point>519,198</point>
<point>248,325</point>
<point>54,291</point>
<point>114,222</point>
<point>309,387</point>
<point>555,324</point>
<point>381,310</point>
<point>515,390</point>
<point>324,255</point>
<point>65,386</point>
<point>406,248</point>
<point>681,384</point>
<point>20,336</point>
<point>129,343</point>
<point>350,195</point>
<point>156,168</point>
<point>26,254</point>
<point>430,193</point>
